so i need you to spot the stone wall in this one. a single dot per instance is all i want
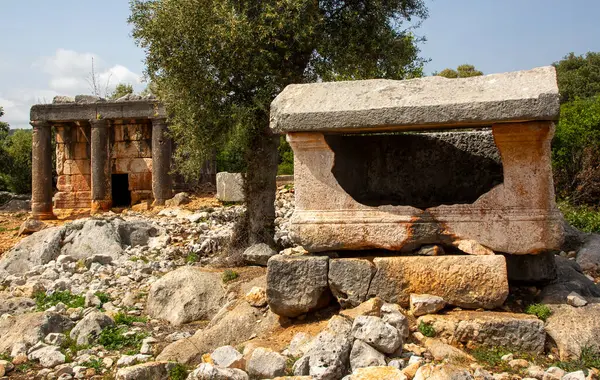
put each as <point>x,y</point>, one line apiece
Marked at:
<point>131,153</point>
<point>74,181</point>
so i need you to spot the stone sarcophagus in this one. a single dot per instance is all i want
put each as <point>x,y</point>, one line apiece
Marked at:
<point>370,175</point>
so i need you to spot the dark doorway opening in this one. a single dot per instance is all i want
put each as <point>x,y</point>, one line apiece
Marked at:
<point>121,196</point>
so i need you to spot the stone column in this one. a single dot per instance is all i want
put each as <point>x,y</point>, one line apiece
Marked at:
<point>161,162</point>
<point>41,184</point>
<point>101,200</point>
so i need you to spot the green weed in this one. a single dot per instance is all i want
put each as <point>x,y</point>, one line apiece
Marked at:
<point>229,275</point>
<point>539,310</point>
<point>178,372</point>
<point>126,319</point>
<point>585,218</point>
<point>426,329</point>
<point>114,338</point>
<point>192,258</point>
<point>44,301</point>
<point>590,358</point>
<point>95,364</point>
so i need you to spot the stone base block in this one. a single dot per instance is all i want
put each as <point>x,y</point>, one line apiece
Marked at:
<point>465,281</point>
<point>297,284</point>
<point>79,199</point>
<point>518,332</point>
<point>230,187</point>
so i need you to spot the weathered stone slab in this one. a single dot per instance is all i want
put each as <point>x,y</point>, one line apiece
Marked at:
<point>230,187</point>
<point>573,328</point>
<point>465,281</point>
<point>297,284</point>
<point>349,280</point>
<point>352,105</point>
<point>519,332</point>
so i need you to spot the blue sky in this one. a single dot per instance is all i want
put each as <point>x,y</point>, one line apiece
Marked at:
<point>46,47</point>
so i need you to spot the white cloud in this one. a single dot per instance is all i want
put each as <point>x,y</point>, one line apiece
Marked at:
<point>67,73</point>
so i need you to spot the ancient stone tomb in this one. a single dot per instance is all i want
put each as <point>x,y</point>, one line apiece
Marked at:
<point>107,154</point>
<point>368,178</point>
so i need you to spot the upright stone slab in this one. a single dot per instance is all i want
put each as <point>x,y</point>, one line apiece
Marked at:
<point>230,187</point>
<point>354,193</point>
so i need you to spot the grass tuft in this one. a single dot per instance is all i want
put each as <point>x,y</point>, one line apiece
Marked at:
<point>539,310</point>
<point>426,329</point>
<point>126,319</point>
<point>114,338</point>
<point>229,275</point>
<point>178,372</point>
<point>44,301</point>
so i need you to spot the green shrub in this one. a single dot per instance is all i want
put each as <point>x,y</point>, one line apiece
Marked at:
<point>44,301</point>
<point>426,329</point>
<point>286,158</point>
<point>95,364</point>
<point>178,372</point>
<point>589,358</point>
<point>585,218</point>
<point>103,297</point>
<point>114,338</point>
<point>192,258</point>
<point>229,275</point>
<point>126,319</point>
<point>539,310</point>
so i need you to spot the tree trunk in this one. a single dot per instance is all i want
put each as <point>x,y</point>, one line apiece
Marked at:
<point>260,184</point>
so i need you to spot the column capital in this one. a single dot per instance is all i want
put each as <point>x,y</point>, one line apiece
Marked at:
<point>36,124</point>
<point>159,121</point>
<point>99,123</point>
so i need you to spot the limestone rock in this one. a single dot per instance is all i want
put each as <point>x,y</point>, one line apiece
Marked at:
<point>89,237</point>
<point>554,373</point>
<point>63,99</point>
<point>257,297</point>
<point>393,314</point>
<point>228,357</point>
<point>471,247</point>
<point>371,307</point>
<point>49,356</point>
<point>431,250</point>
<point>421,304</point>
<point>380,373</point>
<point>363,355</point>
<point>374,331</point>
<point>31,226</point>
<point>328,357</point>
<point>572,328</point>
<point>178,200</point>
<point>570,278</point>
<point>588,257</point>
<point>265,363</point>
<point>442,351</point>
<point>185,295</point>
<point>576,300</point>
<point>86,99</point>
<point>349,280</point>
<point>37,249</point>
<point>442,372</point>
<point>31,328</point>
<point>145,371</point>
<point>519,332</point>
<point>238,325</point>
<point>297,284</point>
<point>515,96</point>
<point>464,281</point>
<point>15,305</point>
<point>300,344</point>
<point>230,187</point>
<point>578,375</point>
<point>207,371</point>
<point>258,254</point>
<point>89,328</point>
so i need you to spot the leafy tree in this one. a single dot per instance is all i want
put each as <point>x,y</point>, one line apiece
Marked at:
<point>578,76</point>
<point>218,64</point>
<point>4,127</point>
<point>121,90</point>
<point>576,152</point>
<point>16,173</point>
<point>462,71</point>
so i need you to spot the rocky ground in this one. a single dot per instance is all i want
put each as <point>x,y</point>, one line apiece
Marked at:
<point>148,294</point>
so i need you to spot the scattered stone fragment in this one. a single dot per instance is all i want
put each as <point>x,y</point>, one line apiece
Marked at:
<point>257,297</point>
<point>430,250</point>
<point>519,332</point>
<point>442,372</point>
<point>363,355</point>
<point>297,284</point>
<point>31,226</point>
<point>55,339</point>
<point>185,295</point>
<point>300,344</point>
<point>266,364</point>
<point>372,307</point>
<point>380,373</point>
<point>472,247</point>
<point>578,375</point>
<point>574,327</point>
<point>374,331</point>
<point>178,200</point>
<point>207,371</point>
<point>31,328</point>
<point>421,304</point>
<point>89,328</point>
<point>553,373</point>
<point>442,351</point>
<point>518,363</point>
<point>258,254</point>
<point>576,300</point>
<point>393,314</point>
<point>49,356</point>
<point>228,357</point>
<point>145,371</point>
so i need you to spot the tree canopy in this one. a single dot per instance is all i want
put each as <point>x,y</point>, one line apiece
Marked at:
<point>121,90</point>
<point>4,127</point>
<point>578,76</point>
<point>462,71</point>
<point>218,64</point>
